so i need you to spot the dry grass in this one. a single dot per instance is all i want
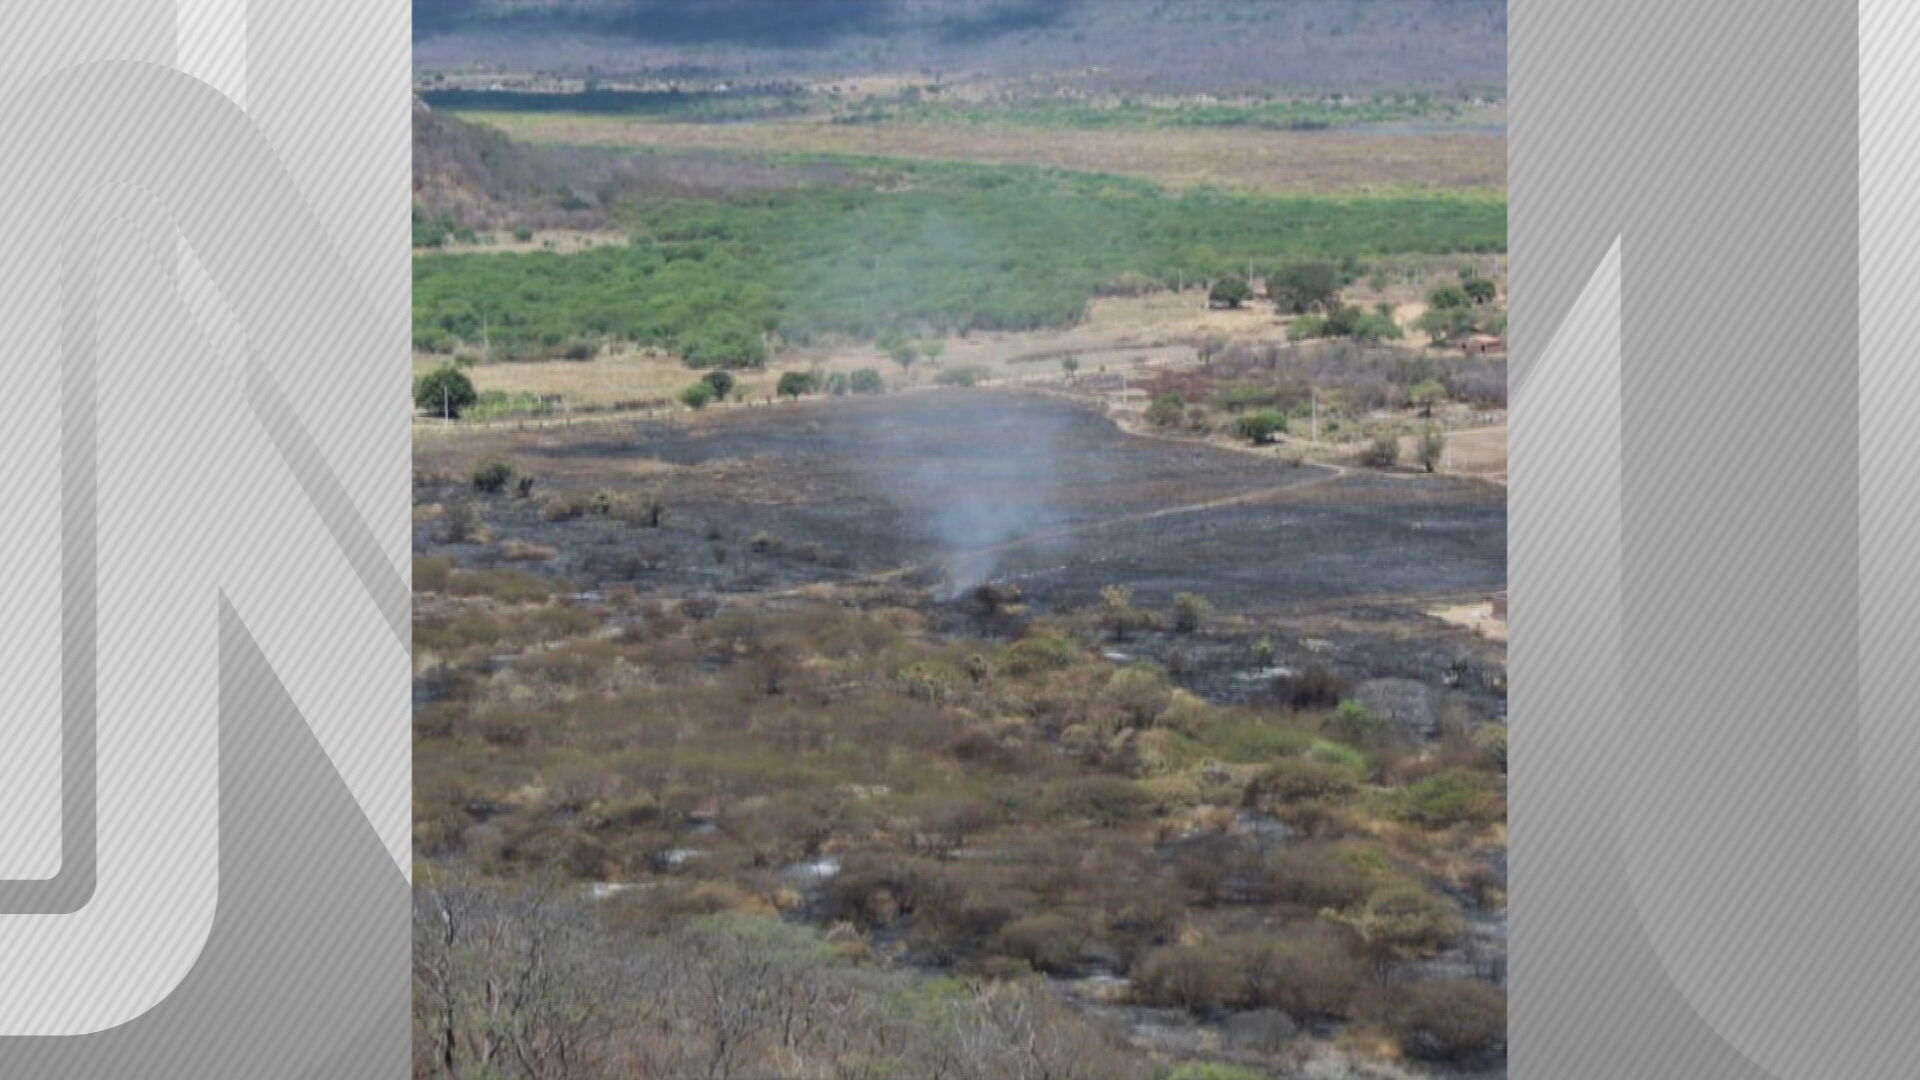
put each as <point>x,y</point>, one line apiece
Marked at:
<point>1329,162</point>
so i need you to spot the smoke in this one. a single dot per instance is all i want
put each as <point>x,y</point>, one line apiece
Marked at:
<point>972,473</point>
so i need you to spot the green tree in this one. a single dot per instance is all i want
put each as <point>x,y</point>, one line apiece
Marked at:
<point>1070,365</point>
<point>1479,290</point>
<point>1425,394</point>
<point>866,381</point>
<point>795,384</point>
<point>1447,296</point>
<point>444,392</point>
<point>722,382</point>
<point>698,396</point>
<point>1229,292</point>
<point>1300,287</point>
<point>1260,428</point>
<point>1445,323</point>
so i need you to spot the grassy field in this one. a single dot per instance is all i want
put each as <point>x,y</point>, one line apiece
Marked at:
<point>1248,158</point>
<point>921,249</point>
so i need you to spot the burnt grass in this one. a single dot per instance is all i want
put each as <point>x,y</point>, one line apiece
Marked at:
<point>948,489</point>
<point>920,497</point>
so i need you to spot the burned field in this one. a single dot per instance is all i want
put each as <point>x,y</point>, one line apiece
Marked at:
<point>953,489</point>
<point>971,696</point>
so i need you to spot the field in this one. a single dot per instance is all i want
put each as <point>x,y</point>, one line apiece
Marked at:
<point>1281,162</point>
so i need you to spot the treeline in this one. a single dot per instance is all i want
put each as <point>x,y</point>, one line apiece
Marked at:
<point>932,250</point>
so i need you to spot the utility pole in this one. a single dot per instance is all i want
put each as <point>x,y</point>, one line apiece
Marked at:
<point>1316,414</point>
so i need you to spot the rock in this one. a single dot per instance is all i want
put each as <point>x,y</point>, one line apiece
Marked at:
<point>1406,703</point>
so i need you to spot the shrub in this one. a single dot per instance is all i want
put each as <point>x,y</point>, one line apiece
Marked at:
<point>1166,411</point>
<point>1451,1020</point>
<point>641,509</point>
<point>1139,693</point>
<point>1102,800</point>
<point>1433,447</point>
<point>1492,742</point>
<point>521,551</point>
<point>1117,612</point>
<point>930,682</point>
<point>1297,780</point>
<point>1197,978</point>
<point>1442,297</point>
<point>445,392</point>
<point>1309,975</point>
<point>1448,798</point>
<point>565,507</point>
<point>1352,723</point>
<point>866,381</point>
<point>1321,876</point>
<point>1406,922</point>
<point>795,384</point>
<point>838,385</point>
<point>1312,687</point>
<point>1034,655</point>
<point>1260,428</point>
<point>1048,942</point>
<point>698,396</point>
<point>1479,290</point>
<point>1383,452</point>
<point>1190,611</point>
<point>492,476</point>
<point>1229,292</point>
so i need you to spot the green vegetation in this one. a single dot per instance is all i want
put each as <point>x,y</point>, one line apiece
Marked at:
<point>722,382</point>
<point>698,396</point>
<point>926,250</point>
<point>1345,321</point>
<point>797,384</point>
<point>1454,311</point>
<point>1306,285</point>
<point>445,392</point>
<point>1229,292</point>
<point>1260,428</point>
